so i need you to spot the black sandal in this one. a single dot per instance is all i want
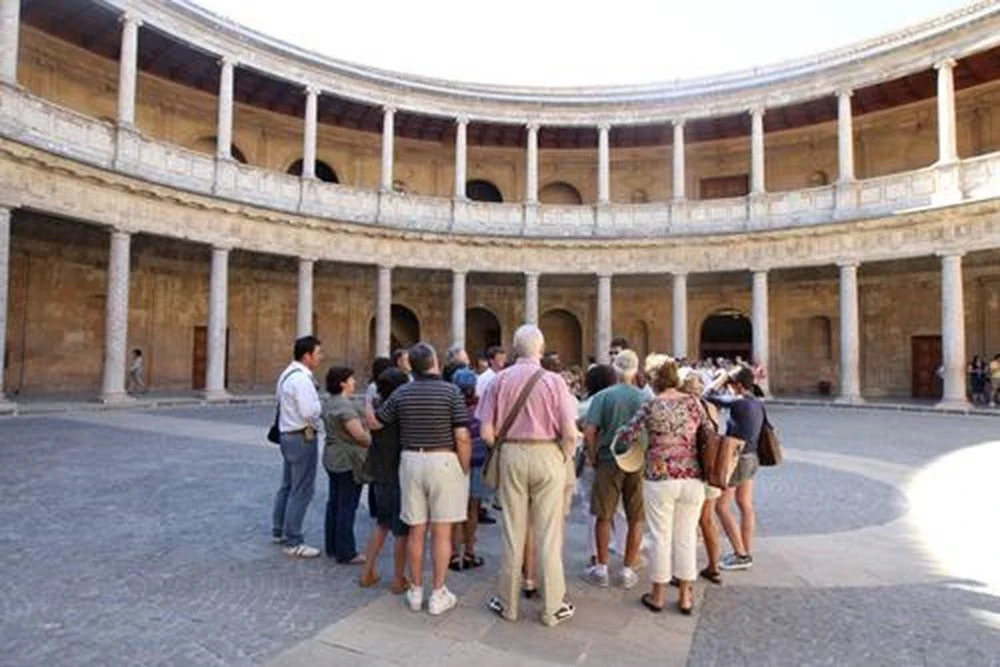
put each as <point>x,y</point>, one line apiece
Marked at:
<point>530,591</point>
<point>472,561</point>
<point>647,602</point>
<point>455,564</point>
<point>712,575</point>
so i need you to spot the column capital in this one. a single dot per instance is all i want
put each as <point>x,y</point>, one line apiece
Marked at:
<point>604,126</point>
<point>848,263</point>
<point>130,17</point>
<point>950,254</point>
<point>758,270</point>
<point>462,119</point>
<point>385,267</point>
<point>228,61</point>
<point>310,259</point>
<point>533,126</point>
<point>945,63</point>
<point>119,232</point>
<point>388,110</point>
<point>220,247</point>
<point>605,275</point>
<point>679,274</point>
<point>312,90</point>
<point>679,122</point>
<point>845,92</point>
<point>459,271</point>
<point>757,110</point>
<point>532,274</point>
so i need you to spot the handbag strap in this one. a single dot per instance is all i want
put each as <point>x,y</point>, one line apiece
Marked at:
<point>522,398</point>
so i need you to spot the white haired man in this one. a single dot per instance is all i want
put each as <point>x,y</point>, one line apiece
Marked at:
<point>539,440</point>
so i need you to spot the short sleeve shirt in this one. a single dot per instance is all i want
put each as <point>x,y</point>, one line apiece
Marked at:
<point>428,410</point>
<point>609,410</point>
<point>341,453</point>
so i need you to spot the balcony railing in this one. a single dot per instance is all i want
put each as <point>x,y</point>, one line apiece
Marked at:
<point>32,121</point>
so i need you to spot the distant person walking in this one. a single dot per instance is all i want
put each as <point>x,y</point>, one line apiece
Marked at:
<point>137,372</point>
<point>299,420</point>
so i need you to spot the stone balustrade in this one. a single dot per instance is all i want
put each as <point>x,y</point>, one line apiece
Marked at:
<point>40,124</point>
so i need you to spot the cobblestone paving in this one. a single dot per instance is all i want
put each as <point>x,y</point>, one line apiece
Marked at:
<point>141,538</point>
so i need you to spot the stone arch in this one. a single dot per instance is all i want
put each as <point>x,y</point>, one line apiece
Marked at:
<point>560,192</point>
<point>324,172</point>
<point>209,145</point>
<point>482,330</point>
<point>726,333</point>
<point>563,334</point>
<point>482,190</point>
<point>404,329</point>
<point>638,338</point>
<point>819,178</point>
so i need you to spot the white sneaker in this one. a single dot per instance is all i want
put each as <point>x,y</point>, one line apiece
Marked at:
<point>629,578</point>
<point>302,551</point>
<point>415,598</point>
<point>597,575</point>
<point>441,601</point>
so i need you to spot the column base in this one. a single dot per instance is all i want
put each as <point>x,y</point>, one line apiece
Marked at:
<point>216,395</point>
<point>7,406</point>
<point>854,399</point>
<point>953,405</point>
<point>116,398</point>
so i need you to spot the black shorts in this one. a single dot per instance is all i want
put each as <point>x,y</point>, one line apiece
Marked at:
<point>384,505</point>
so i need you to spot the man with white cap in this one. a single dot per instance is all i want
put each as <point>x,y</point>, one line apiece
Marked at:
<point>609,410</point>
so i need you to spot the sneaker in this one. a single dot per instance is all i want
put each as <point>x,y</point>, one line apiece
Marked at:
<point>629,578</point>
<point>597,575</point>
<point>563,613</point>
<point>495,604</point>
<point>302,551</point>
<point>485,518</point>
<point>415,597</point>
<point>736,562</point>
<point>441,601</point>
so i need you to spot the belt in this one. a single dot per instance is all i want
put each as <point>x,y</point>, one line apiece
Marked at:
<point>553,441</point>
<point>430,450</point>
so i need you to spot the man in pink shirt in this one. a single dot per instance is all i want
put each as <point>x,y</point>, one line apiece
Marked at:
<point>532,460</point>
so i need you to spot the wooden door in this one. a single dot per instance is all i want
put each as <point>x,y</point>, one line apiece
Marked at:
<point>926,360</point>
<point>199,358</point>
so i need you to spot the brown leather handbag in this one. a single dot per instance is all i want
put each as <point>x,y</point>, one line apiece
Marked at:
<point>719,454</point>
<point>769,448</point>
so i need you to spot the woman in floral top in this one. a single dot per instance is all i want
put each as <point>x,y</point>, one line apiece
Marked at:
<point>673,489</point>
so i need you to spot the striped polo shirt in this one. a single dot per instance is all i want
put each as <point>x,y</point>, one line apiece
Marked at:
<point>427,411</point>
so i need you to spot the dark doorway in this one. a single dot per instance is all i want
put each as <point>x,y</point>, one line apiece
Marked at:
<point>324,172</point>
<point>404,329</point>
<point>482,330</point>
<point>926,361</point>
<point>199,365</point>
<point>727,334</point>
<point>480,190</point>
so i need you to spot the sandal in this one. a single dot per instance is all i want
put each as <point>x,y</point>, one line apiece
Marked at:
<point>529,589</point>
<point>686,609</point>
<point>400,588</point>
<point>712,575</point>
<point>455,564</point>
<point>647,602</point>
<point>472,561</point>
<point>367,581</point>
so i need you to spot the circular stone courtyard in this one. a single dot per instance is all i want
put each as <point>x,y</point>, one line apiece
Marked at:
<point>142,537</point>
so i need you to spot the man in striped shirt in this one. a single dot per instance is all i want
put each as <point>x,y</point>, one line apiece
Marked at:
<point>433,469</point>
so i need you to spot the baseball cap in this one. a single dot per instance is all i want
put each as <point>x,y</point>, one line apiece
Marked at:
<point>464,379</point>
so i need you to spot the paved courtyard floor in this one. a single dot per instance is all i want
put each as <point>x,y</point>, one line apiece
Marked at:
<point>142,538</point>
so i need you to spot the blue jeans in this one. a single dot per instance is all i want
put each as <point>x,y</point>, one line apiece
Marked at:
<point>341,506</point>
<point>298,481</point>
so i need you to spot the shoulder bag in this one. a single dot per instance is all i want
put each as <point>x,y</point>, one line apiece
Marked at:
<point>718,454</point>
<point>491,467</point>
<point>768,447</point>
<point>274,433</point>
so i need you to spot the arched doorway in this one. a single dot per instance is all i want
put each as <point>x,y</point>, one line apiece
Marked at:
<point>560,192</point>
<point>324,172</point>
<point>563,335</point>
<point>481,190</point>
<point>727,333</point>
<point>482,330</point>
<point>638,338</point>
<point>404,330</point>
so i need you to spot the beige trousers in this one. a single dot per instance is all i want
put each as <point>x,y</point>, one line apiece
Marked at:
<point>673,508</point>
<point>532,488</point>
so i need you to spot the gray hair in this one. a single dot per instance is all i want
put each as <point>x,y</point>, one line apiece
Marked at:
<point>528,341</point>
<point>422,358</point>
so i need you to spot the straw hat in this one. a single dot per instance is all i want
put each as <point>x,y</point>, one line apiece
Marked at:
<point>634,458</point>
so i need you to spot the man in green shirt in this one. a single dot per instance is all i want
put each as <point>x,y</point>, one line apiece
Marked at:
<point>609,410</point>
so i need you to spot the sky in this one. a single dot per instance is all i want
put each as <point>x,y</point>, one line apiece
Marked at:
<point>574,43</point>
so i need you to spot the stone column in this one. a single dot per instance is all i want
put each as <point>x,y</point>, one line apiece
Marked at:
<point>461,155</point>
<point>947,141</point>
<point>309,133</point>
<point>845,136</point>
<point>603,165</point>
<point>4,276</point>
<point>850,375</point>
<point>224,132</point>
<point>116,319</point>
<point>218,306</point>
<point>531,298</point>
<point>757,151</point>
<point>458,308</point>
<point>127,65</point>
<point>383,312</point>
<point>759,322</point>
<point>388,132</point>
<point>679,177</point>
<point>531,180</point>
<point>603,338</point>
<point>305,305</point>
<point>952,331</point>
<point>10,32</point>
<point>679,317</point>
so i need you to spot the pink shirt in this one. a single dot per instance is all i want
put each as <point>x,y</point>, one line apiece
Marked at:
<point>549,406</point>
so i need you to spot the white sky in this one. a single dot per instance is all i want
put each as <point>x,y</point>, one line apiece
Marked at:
<point>567,42</point>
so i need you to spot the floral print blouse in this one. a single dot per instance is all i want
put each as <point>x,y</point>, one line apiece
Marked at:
<point>672,424</point>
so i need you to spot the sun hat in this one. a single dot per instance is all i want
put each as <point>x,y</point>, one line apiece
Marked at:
<point>627,362</point>
<point>634,458</point>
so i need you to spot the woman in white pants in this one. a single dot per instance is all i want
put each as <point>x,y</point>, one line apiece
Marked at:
<point>673,489</point>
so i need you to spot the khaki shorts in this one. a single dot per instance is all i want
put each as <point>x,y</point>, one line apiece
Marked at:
<point>433,488</point>
<point>612,484</point>
<point>712,493</point>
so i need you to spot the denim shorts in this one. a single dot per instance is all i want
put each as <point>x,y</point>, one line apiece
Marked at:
<point>746,468</point>
<point>478,490</point>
